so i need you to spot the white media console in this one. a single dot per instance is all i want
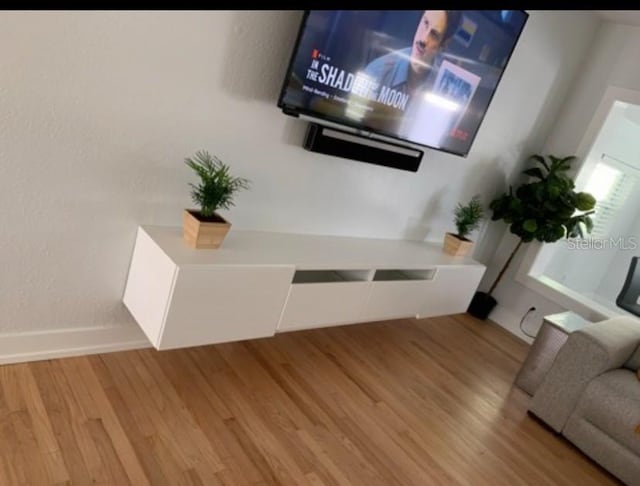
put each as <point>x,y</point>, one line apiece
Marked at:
<point>260,283</point>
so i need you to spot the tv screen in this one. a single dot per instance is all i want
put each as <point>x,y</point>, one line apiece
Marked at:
<point>426,77</point>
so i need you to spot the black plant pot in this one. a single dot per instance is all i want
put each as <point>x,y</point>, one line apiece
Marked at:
<point>481,305</point>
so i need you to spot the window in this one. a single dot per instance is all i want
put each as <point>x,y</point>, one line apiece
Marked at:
<point>611,183</point>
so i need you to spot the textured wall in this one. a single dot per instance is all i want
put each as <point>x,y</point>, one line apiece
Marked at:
<point>99,109</point>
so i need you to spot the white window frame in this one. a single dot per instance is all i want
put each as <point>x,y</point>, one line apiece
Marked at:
<point>630,177</point>
<point>530,272</point>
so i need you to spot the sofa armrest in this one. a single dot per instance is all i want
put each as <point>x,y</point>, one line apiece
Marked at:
<point>589,352</point>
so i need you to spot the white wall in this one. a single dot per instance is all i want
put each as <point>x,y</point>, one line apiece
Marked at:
<point>100,108</point>
<point>619,135</point>
<point>610,62</point>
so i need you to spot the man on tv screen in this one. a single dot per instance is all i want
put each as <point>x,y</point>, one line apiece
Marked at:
<point>400,75</point>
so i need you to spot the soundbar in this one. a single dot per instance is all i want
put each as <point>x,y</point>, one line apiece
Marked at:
<point>330,141</point>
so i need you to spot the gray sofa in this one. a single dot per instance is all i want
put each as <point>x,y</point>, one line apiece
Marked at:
<point>591,395</point>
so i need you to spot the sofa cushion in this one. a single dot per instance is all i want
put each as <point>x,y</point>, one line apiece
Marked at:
<point>611,402</point>
<point>634,361</point>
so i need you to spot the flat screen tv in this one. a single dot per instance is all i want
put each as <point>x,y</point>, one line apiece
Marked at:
<point>424,77</point>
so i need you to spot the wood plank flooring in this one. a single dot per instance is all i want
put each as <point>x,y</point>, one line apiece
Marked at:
<point>396,403</point>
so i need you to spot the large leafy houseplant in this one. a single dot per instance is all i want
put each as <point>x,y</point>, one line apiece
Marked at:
<point>545,209</point>
<point>204,227</point>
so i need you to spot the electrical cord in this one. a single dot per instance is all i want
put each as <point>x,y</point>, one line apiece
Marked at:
<point>531,309</point>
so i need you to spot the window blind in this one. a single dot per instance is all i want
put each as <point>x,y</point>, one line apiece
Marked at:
<point>611,183</point>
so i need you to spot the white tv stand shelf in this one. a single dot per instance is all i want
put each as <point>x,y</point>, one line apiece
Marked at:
<point>259,283</point>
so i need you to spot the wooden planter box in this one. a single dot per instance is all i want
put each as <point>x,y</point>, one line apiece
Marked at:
<point>456,246</point>
<point>203,234</point>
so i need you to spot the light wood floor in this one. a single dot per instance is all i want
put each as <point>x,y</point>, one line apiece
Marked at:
<point>397,403</point>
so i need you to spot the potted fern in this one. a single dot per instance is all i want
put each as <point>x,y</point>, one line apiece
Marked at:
<point>204,227</point>
<point>467,219</point>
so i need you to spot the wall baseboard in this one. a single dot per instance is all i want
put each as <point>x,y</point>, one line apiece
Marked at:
<point>506,319</point>
<point>63,343</point>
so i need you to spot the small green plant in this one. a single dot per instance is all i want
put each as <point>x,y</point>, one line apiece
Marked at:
<point>468,217</point>
<point>217,187</point>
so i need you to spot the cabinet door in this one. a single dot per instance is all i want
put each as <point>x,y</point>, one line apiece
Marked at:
<point>396,299</point>
<point>324,304</point>
<point>214,304</point>
<point>149,286</point>
<point>452,291</point>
